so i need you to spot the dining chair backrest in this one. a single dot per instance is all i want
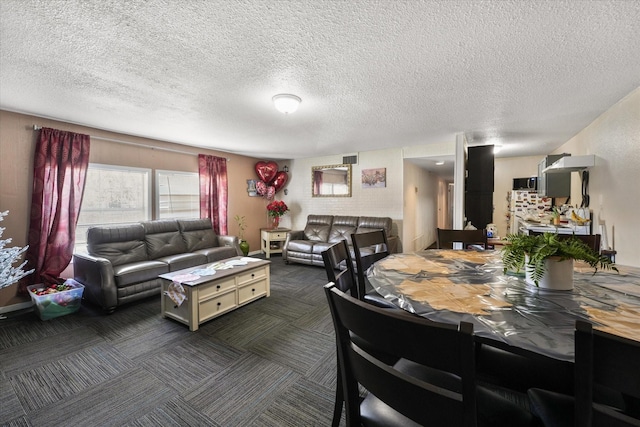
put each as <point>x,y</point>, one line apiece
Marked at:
<point>591,240</point>
<point>610,361</point>
<point>339,267</point>
<point>412,338</point>
<point>368,248</point>
<point>446,238</point>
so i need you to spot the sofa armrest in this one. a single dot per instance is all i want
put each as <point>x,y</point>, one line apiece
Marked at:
<point>291,235</point>
<point>394,245</point>
<point>96,274</point>
<point>232,241</point>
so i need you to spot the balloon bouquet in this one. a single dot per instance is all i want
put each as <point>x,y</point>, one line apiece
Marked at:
<point>271,180</point>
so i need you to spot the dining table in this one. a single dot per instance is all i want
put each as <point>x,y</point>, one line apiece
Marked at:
<point>452,286</point>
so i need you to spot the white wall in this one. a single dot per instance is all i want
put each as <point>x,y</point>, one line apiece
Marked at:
<point>614,182</point>
<point>383,202</point>
<point>420,207</point>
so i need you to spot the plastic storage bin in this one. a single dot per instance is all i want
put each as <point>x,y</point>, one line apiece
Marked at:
<point>59,303</point>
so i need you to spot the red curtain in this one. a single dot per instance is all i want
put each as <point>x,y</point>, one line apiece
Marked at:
<point>213,191</point>
<point>59,173</point>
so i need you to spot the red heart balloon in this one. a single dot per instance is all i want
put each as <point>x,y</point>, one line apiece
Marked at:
<point>280,180</point>
<point>271,192</point>
<point>261,188</point>
<point>266,171</point>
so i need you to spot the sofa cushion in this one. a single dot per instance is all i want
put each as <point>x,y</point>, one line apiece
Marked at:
<point>317,232</point>
<point>198,234</point>
<point>351,221</point>
<point>218,253</point>
<point>304,246</point>
<point>185,260</point>
<point>320,247</point>
<point>372,223</point>
<point>318,227</point>
<point>119,244</point>
<point>342,228</point>
<point>135,272</point>
<point>163,238</point>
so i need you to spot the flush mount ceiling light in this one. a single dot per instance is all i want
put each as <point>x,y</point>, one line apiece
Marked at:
<point>440,163</point>
<point>286,103</point>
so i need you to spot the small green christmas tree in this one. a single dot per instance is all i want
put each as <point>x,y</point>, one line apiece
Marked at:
<point>8,256</point>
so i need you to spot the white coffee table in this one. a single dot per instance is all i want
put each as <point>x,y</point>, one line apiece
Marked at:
<point>212,296</point>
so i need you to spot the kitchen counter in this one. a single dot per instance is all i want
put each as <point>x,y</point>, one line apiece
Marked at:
<point>559,229</point>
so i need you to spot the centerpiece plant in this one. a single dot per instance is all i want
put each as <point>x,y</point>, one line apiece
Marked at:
<point>276,209</point>
<point>532,253</point>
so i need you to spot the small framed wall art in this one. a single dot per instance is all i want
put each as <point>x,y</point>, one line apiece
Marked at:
<point>251,188</point>
<point>374,178</point>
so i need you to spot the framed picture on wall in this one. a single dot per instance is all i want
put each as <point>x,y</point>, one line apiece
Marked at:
<point>374,178</point>
<point>251,188</point>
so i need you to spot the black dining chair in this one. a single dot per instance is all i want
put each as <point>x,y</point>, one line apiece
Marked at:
<point>432,384</point>
<point>339,268</point>
<point>606,385</point>
<point>470,239</point>
<point>368,248</point>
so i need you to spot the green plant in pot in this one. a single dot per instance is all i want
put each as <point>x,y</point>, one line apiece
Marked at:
<point>242,225</point>
<point>547,259</point>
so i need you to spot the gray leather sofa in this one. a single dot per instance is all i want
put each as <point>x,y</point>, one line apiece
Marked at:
<point>123,262</point>
<point>322,231</point>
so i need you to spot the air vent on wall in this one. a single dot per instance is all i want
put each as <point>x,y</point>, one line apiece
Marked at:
<point>350,160</point>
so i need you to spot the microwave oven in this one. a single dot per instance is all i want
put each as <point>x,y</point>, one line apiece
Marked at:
<point>530,183</point>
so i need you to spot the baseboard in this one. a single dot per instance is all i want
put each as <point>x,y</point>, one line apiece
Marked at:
<point>16,307</point>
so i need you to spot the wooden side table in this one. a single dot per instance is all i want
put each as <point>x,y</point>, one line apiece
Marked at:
<point>272,240</point>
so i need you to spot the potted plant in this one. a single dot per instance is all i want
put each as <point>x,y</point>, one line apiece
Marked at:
<point>242,225</point>
<point>548,259</point>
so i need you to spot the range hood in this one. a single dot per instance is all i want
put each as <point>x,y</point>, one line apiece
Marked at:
<point>571,164</point>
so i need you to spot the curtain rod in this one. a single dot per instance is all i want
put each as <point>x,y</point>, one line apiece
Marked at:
<point>137,144</point>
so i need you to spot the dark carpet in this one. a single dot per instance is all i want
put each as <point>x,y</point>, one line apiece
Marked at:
<point>269,363</point>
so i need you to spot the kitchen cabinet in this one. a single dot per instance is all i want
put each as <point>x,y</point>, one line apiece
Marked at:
<point>480,169</point>
<point>479,208</point>
<point>553,184</point>
<point>479,186</point>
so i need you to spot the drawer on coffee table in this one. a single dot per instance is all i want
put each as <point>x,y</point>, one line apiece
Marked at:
<point>217,305</point>
<point>254,290</point>
<point>250,276</point>
<point>216,288</point>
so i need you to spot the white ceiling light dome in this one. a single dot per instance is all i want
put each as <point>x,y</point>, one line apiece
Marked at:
<point>286,103</point>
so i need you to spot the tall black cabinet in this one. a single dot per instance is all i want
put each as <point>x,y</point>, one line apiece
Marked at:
<point>479,186</point>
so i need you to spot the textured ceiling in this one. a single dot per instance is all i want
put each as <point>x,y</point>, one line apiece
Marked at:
<point>371,74</point>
